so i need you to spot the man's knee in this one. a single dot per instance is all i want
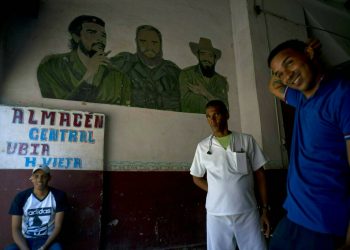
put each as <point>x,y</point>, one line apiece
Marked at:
<point>55,246</point>
<point>12,247</point>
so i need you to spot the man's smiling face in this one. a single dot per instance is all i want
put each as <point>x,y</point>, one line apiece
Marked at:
<point>294,69</point>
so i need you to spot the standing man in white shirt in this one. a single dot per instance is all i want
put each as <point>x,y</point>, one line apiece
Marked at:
<point>232,162</point>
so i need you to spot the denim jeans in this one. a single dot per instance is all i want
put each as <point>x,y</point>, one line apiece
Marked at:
<point>291,236</point>
<point>35,244</point>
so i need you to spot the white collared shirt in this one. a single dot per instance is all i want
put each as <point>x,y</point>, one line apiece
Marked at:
<point>230,185</point>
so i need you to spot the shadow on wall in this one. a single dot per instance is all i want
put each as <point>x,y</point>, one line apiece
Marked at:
<point>152,210</point>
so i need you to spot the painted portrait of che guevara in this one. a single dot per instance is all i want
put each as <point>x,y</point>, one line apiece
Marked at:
<point>200,83</point>
<point>141,79</point>
<point>154,80</point>
<point>85,72</point>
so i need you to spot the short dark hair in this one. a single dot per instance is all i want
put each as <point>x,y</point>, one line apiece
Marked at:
<point>290,44</point>
<point>219,104</point>
<point>149,28</point>
<point>76,26</point>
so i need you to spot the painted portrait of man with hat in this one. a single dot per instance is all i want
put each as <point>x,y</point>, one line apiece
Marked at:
<point>201,83</point>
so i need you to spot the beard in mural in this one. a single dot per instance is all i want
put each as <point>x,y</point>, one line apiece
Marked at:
<point>85,73</point>
<point>200,83</point>
<point>97,47</point>
<point>149,47</point>
<point>154,80</point>
<point>207,68</point>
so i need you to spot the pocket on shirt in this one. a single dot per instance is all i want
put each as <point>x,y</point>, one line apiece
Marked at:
<point>238,163</point>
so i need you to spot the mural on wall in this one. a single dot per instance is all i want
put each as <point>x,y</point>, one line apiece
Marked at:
<point>200,83</point>
<point>85,73</point>
<point>141,79</point>
<point>154,80</point>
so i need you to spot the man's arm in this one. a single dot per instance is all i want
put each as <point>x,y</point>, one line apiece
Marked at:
<point>58,226</point>
<point>261,185</point>
<point>260,180</point>
<point>199,89</point>
<point>219,91</point>
<point>348,150</point>
<point>276,87</point>
<point>93,64</point>
<point>347,239</point>
<point>57,79</point>
<point>347,242</point>
<point>16,225</point>
<point>201,182</point>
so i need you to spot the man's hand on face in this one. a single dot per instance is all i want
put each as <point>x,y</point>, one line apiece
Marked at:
<point>98,59</point>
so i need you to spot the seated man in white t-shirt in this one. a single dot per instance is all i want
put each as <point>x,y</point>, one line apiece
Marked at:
<point>37,214</point>
<point>231,162</point>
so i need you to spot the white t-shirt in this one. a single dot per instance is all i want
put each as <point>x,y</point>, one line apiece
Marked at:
<point>38,216</point>
<point>229,173</point>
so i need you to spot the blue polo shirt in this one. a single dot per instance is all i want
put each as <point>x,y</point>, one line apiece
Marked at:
<point>318,184</point>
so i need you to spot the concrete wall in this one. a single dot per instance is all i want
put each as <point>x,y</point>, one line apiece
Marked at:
<point>334,31</point>
<point>148,208</point>
<point>140,207</point>
<point>160,139</point>
<point>244,38</point>
<point>254,35</point>
<point>148,195</point>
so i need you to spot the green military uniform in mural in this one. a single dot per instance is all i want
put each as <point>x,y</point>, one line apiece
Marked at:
<point>195,103</point>
<point>200,83</point>
<point>85,73</point>
<point>155,88</point>
<point>59,77</point>
<point>154,81</point>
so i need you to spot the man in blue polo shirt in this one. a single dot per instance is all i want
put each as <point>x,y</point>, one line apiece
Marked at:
<point>318,183</point>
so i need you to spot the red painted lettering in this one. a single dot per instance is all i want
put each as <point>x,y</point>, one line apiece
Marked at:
<point>48,115</point>
<point>99,121</point>
<point>34,148</point>
<point>64,119</point>
<point>45,149</point>
<point>17,115</point>
<point>88,118</point>
<point>22,148</point>
<point>77,120</point>
<point>31,117</point>
<point>11,148</point>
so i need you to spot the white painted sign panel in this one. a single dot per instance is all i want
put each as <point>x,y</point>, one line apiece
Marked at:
<point>71,140</point>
